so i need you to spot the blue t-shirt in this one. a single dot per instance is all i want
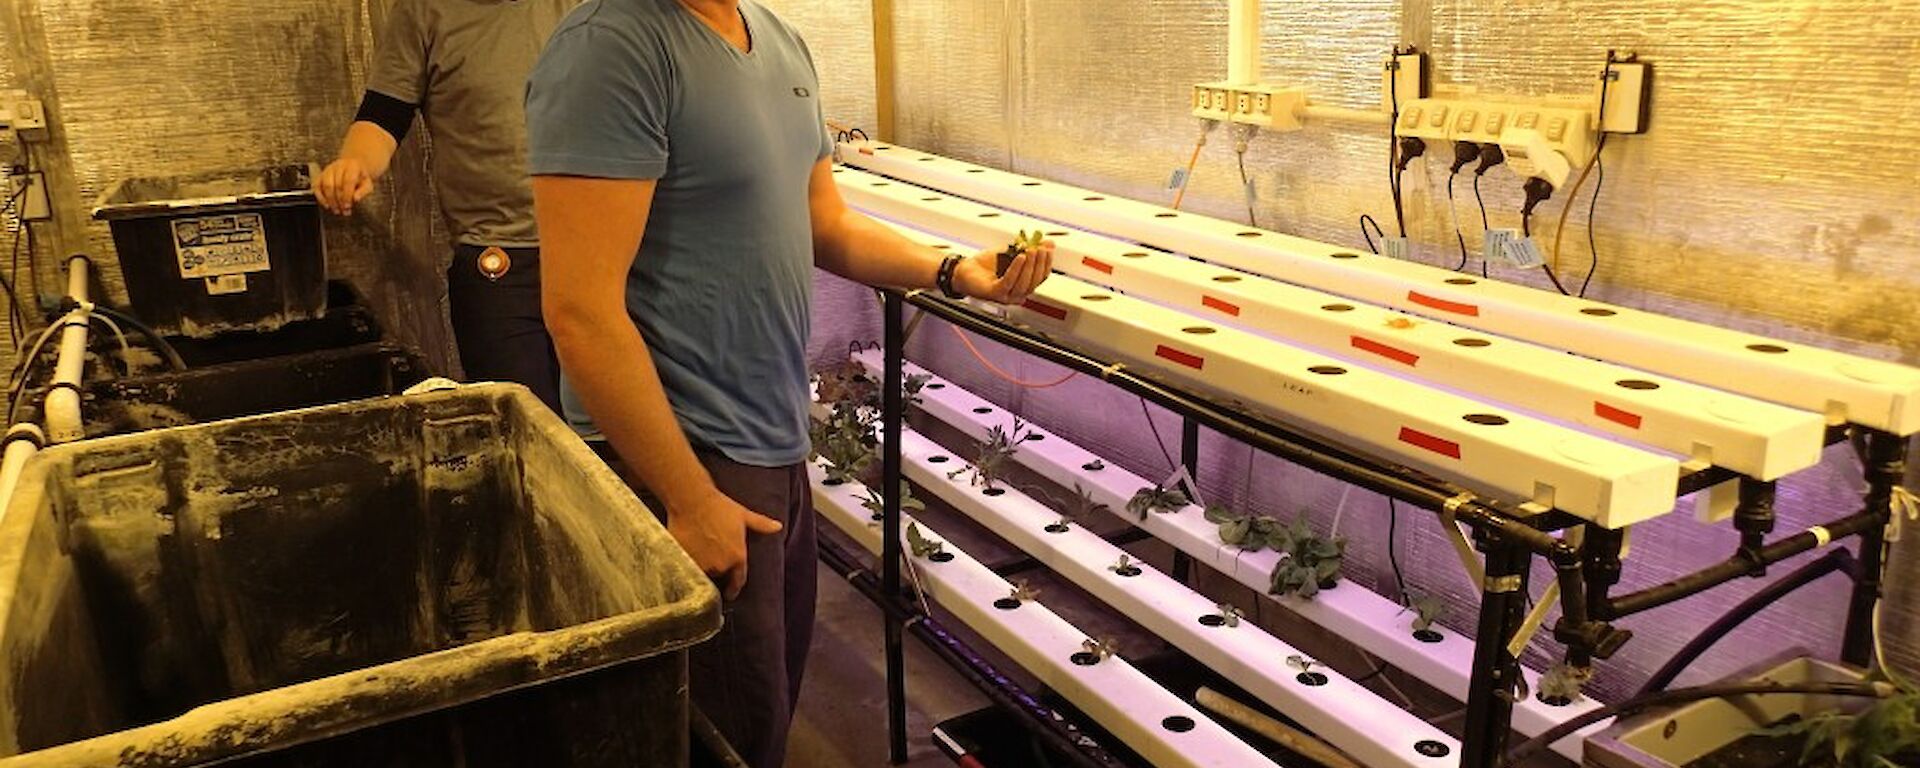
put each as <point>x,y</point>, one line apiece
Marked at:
<point>723,285</point>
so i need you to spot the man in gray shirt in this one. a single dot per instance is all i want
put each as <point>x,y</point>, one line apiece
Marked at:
<point>685,195</point>
<point>462,65</point>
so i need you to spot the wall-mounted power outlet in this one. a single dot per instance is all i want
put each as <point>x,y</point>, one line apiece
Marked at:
<point>1404,78</point>
<point>21,112</point>
<point>1628,96</point>
<point>29,193</point>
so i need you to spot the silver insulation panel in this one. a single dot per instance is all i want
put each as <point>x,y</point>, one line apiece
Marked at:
<point>1775,190</point>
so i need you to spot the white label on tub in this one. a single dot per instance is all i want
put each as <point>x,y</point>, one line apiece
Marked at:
<point>226,284</point>
<point>211,246</point>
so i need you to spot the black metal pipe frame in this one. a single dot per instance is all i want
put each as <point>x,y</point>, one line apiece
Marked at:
<point>1496,673</point>
<point>1886,468</point>
<point>1837,560</point>
<point>1744,564</point>
<point>1038,718</point>
<point>893,414</point>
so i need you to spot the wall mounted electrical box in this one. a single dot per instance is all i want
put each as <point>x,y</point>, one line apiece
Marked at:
<point>1275,107</point>
<point>19,111</point>
<point>1529,126</point>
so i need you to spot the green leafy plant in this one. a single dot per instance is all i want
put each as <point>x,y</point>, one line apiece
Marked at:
<point>1309,562</point>
<point>846,437</point>
<point>1125,566</point>
<point>992,456</point>
<point>1301,664</point>
<point>1083,504</point>
<point>1426,610</point>
<point>1884,735</point>
<point>1249,532</point>
<point>1022,592</point>
<point>1230,614</point>
<point>921,545</point>
<point>1563,684</point>
<point>877,505</point>
<point>911,385</point>
<point>1154,498</point>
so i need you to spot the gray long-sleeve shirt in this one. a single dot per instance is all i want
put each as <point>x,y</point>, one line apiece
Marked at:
<point>465,64</point>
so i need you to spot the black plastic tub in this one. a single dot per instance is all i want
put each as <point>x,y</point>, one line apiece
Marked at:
<point>347,321</point>
<point>249,388</point>
<point>202,254</point>
<point>427,580</point>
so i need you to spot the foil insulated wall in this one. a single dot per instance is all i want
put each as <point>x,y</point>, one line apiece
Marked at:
<point>1773,192</point>
<point>159,89</point>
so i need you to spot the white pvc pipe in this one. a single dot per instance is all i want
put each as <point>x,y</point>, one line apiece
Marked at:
<point>1243,42</point>
<point>1343,114</point>
<point>23,441</point>
<point>63,399</point>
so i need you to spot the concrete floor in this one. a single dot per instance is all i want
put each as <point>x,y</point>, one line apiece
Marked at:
<point>843,717</point>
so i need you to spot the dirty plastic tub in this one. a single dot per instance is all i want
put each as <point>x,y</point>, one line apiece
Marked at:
<point>348,321</point>
<point>233,250</point>
<point>442,579</point>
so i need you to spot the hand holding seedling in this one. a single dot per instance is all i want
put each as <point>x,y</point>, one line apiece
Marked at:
<point>1029,262</point>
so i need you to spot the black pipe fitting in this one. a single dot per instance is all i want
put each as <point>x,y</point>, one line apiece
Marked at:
<point>1754,518</point>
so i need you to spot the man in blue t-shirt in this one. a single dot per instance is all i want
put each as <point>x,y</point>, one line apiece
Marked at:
<point>684,194</point>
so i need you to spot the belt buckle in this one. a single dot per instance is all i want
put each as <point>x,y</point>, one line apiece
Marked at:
<point>494,263</point>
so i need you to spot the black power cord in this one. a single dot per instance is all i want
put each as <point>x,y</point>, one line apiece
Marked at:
<point>1490,156</point>
<point>1393,145</point>
<point>1538,191</point>
<point>1464,152</point>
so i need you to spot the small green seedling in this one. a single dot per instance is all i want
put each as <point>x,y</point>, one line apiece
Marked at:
<point>1024,242</point>
<point>1426,610</point>
<point>1563,683</point>
<point>1252,533</point>
<point>1231,614</point>
<point>1154,498</point>
<point>1022,593</point>
<point>921,545</point>
<point>1102,648</point>
<point>1301,664</point>
<point>877,505</point>
<point>1124,566</point>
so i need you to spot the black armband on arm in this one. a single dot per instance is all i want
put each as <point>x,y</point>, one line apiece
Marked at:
<point>392,115</point>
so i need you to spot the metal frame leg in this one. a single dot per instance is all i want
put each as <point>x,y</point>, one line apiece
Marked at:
<point>1189,458</point>
<point>1886,463</point>
<point>892,413</point>
<point>1503,609</point>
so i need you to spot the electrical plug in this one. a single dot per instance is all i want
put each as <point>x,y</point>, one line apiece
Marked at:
<point>1538,191</point>
<point>1490,156</point>
<point>1464,152</point>
<point>1410,148</point>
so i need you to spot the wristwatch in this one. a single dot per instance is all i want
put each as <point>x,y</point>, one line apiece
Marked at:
<point>944,278</point>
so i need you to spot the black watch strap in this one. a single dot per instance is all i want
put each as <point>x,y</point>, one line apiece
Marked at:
<point>944,278</point>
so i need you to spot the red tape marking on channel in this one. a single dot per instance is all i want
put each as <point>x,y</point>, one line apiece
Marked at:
<point>1057,313</point>
<point>1442,304</point>
<point>1213,303</point>
<point>1416,438</point>
<point>1096,264</point>
<point>1395,354</point>
<point>1626,419</point>
<point>1187,359</point>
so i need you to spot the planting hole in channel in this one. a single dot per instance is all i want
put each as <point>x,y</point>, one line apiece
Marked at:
<point>1056,528</point>
<point>1134,255</point>
<point>1129,572</point>
<point>931,199</point>
<point>1226,278</point>
<point>1178,724</point>
<point>1337,308</point>
<point>1094,466</point>
<point>1461,281</point>
<point>1328,370</point>
<point>1485,419</point>
<point>1472,342</point>
<point>938,459</point>
<point>1768,349</point>
<point>1034,437</point>
<point>936,385</point>
<point>1198,330</point>
<point>983,410</point>
<point>976,170</point>
<point>833,481</point>
<point>1093,199</point>
<point>1249,234</point>
<point>1638,384</point>
<point>993,491</point>
<point>989,215</point>
<point>1429,748</point>
<point>882,184</point>
<point>1084,659</point>
<point>1006,603</point>
<point>1165,215</point>
<point>1344,255</point>
<point>1213,620</point>
<point>1428,636</point>
<point>1311,679</point>
<point>941,557</point>
<point>1598,312</point>
<point>1095,297</point>
<point>1029,183</point>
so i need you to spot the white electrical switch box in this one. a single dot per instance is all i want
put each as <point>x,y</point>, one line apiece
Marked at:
<point>1629,92</point>
<point>21,112</point>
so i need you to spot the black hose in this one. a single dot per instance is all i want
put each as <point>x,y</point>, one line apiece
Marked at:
<point>1836,560</point>
<point>1535,745</point>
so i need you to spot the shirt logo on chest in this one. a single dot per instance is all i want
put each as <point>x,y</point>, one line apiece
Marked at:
<point>802,92</point>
